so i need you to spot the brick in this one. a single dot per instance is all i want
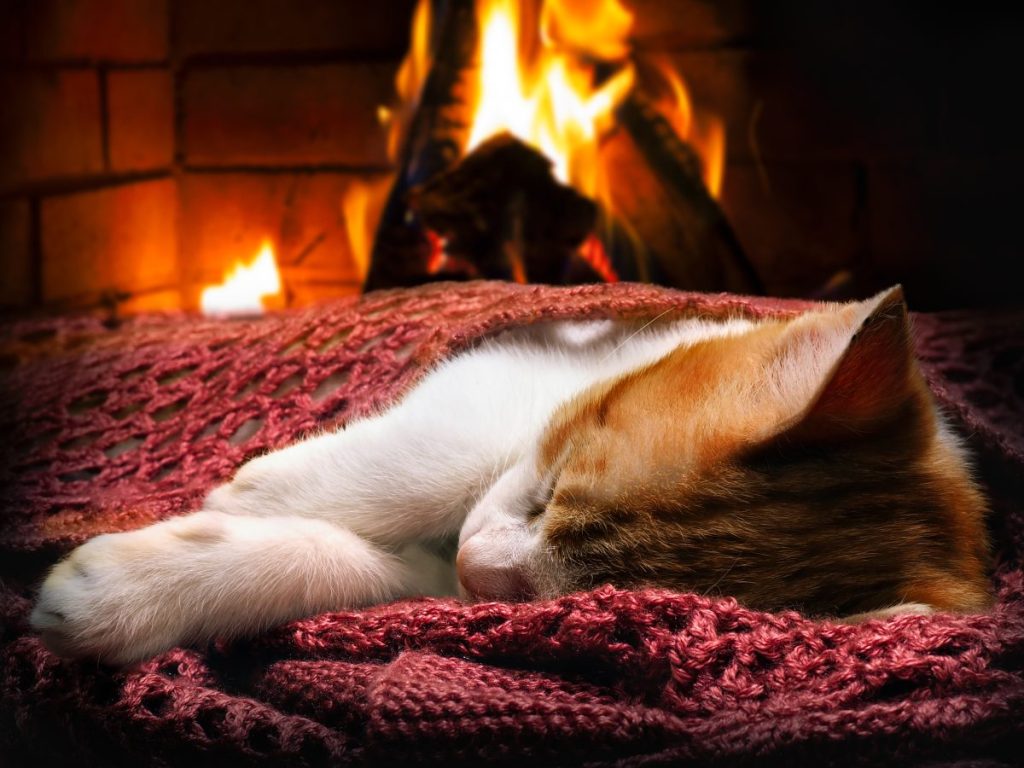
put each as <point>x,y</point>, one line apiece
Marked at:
<point>300,115</point>
<point>49,126</point>
<point>15,254</point>
<point>115,239</point>
<point>119,30</point>
<point>681,24</point>
<point>140,104</point>
<point>259,26</point>
<point>799,224</point>
<point>226,217</point>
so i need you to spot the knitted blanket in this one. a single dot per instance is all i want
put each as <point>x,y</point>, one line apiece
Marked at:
<point>109,427</point>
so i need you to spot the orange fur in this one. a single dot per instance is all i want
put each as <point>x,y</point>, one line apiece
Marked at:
<point>802,464</point>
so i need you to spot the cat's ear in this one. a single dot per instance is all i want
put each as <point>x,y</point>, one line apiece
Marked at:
<point>866,371</point>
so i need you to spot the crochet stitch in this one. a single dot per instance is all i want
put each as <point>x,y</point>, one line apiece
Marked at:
<point>110,428</point>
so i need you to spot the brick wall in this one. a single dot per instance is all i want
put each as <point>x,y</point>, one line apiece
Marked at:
<point>147,143</point>
<point>88,195</point>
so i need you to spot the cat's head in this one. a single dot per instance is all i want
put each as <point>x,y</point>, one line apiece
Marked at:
<point>801,463</point>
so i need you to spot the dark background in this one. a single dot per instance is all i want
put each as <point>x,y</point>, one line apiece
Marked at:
<point>931,92</point>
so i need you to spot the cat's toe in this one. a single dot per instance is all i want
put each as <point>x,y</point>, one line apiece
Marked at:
<point>52,628</point>
<point>89,604</point>
<point>65,628</point>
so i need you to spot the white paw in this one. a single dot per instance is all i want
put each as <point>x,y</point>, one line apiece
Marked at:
<point>116,597</point>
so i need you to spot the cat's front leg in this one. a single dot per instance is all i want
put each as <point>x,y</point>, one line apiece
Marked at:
<point>125,596</point>
<point>410,474</point>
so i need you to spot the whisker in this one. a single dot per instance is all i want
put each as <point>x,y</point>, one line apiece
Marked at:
<point>719,579</point>
<point>638,331</point>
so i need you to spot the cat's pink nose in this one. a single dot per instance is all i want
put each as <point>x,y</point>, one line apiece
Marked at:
<point>487,573</point>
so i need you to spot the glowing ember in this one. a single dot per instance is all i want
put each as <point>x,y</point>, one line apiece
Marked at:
<point>593,252</point>
<point>245,286</point>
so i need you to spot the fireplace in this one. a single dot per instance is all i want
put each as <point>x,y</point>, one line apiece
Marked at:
<point>150,146</point>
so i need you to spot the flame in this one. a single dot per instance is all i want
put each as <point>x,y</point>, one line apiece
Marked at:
<point>549,94</point>
<point>552,73</point>
<point>593,253</point>
<point>412,74</point>
<point>244,286</point>
<point>704,132</point>
<point>362,204</point>
<point>553,99</point>
<point>598,30</point>
<point>363,200</point>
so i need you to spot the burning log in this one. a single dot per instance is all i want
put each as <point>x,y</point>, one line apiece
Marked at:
<point>500,213</point>
<point>503,215</point>
<point>401,249</point>
<point>679,235</point>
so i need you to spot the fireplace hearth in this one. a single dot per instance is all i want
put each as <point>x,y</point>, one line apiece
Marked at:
<point>151,145</point>
<point>630,200</point>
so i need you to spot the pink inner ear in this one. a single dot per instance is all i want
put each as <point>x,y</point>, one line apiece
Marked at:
<point>873,375</point>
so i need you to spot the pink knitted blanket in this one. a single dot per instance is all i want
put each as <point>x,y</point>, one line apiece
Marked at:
<point>109,428</point>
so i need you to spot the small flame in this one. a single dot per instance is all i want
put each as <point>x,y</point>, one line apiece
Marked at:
<point>438,257</point>
<point>244,286</point>
<point>362,204</point>
<point>412,74</point>
<point>593,253</point>
<point>354,209</point>
<point>704,132</point>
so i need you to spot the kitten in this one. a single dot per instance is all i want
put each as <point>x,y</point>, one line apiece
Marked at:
<point>790,463</point>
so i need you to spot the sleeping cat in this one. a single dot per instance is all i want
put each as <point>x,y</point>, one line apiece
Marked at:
<point>790,463</point>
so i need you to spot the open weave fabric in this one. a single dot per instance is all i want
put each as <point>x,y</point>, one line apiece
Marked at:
<point>110,428</point>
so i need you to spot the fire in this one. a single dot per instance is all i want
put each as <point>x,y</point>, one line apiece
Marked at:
<point>412,74</point>
<point>361,207</point>
<point>552,100</point>
<point>552,73</point>
<point>362,202</point>
<point>705,133</point>
<point>550,86</point>
<point>245,286</point>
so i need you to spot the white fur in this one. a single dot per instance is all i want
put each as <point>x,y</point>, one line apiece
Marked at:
<point>348,518</point>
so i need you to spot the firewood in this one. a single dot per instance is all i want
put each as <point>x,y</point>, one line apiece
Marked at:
<point>679,235</point>
<point>402,248</point>
<point>502,213</point>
